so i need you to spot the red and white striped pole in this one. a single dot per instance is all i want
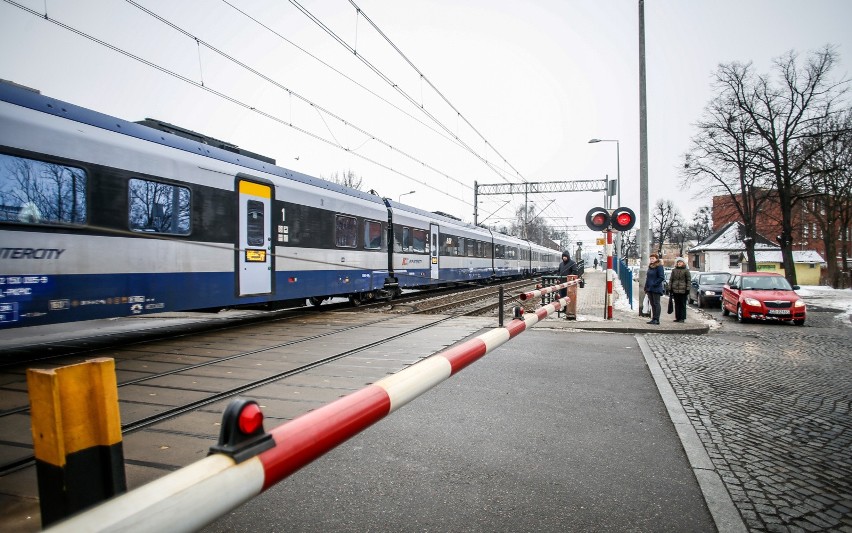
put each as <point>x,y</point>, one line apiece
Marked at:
<point>546,290</point>
<point>190,498</point>
<point>610,275</point>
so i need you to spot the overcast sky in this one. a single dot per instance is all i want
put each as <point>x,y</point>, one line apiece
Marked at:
<point>531,82</point>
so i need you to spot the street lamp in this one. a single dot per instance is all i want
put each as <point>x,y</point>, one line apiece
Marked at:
<point>403,194</point>
<point>617,162</point>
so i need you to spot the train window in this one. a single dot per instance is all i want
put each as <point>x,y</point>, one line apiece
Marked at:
<point>471,248</point>
<point>406,239</point>
<point>418,238</point>
<point>346,231</point>
<point>255,223</point>
<point>460,247</point>
<point>372,235</point>
<point>35,192</point>
<point>158,207</point>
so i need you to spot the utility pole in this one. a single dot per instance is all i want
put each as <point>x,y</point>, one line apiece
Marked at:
<point>475,203</point>
<point>644,209</point>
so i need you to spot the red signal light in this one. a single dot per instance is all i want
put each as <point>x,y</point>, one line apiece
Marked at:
<point>251,419</point>
<point>242,435</point>
<point>623,219</point>
<point>597,219</point>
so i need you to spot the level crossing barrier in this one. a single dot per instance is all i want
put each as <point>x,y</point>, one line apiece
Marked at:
<point>194,496</point>
<point>549,291</point>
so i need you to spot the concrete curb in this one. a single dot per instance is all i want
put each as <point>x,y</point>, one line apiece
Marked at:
<point>722,508</point>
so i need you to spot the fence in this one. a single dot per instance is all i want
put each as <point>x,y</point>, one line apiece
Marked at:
<point>625,276</point>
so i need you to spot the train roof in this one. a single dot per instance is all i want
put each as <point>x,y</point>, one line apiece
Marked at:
<point>32,99</point>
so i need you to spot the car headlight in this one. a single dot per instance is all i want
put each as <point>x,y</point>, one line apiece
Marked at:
<point>709,293</point>
<point>799,303</point>
<point>752,302</point>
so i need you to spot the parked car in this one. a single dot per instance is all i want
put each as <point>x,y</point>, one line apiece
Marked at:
<point>762,296</point>
<point>706,288</point>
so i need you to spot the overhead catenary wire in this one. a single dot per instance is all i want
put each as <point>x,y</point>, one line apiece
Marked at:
<point>315,105</point>
<point>423,78</point>
<point>229,98</point>
<point>395,86</point>
<point>428,82</point>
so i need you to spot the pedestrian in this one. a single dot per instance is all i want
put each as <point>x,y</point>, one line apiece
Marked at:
<point>654,286</point>
<point>679,283</point>
<point>568,267</point>
<point>596,263</point>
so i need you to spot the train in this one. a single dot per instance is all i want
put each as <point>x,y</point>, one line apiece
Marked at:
<point>102,217</point>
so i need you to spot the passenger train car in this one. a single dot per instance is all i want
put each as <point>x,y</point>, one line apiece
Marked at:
<point>100,217</point>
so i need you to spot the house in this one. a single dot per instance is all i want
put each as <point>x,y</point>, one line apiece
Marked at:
<point>723,250</point>
<point>807,233</point>
<point>807,263</point>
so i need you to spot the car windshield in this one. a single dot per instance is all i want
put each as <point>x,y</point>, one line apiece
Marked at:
<point>771,283</point>
<point>713,279</point>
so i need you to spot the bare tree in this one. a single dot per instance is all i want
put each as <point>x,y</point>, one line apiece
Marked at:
<point>702,224</point>
<point>629,246</point>
<point>347,179</point>
<point>723,159</point>
<point>831,185</point>
<point>665,218</point>
<point>530,225</point>
<point>783,112</point>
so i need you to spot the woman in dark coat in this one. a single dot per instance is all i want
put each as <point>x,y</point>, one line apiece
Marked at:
<point>654,286</point>
<point>679,283</point>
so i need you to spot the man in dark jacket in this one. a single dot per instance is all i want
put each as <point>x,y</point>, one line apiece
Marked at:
<point>568,267</point>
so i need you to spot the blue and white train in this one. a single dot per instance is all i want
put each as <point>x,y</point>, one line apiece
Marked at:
<point>100,217</point>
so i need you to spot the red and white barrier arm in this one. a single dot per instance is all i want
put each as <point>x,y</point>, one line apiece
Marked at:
<point>190,498</point>
<point>553,288</point>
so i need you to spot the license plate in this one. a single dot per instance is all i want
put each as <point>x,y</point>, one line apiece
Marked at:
<point>779,312</point>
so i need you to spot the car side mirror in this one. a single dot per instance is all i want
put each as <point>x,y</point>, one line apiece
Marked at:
<point>796,287</point>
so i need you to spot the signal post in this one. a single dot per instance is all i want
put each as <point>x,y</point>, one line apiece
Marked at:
<point>609,220</point>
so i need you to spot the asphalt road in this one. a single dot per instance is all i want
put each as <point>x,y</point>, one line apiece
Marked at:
<point>551,432</point>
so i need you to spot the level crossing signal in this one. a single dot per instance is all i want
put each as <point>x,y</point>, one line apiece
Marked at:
<point>602,219</point>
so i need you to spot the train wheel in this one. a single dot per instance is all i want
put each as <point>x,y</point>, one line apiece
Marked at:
<point>355,300</point>
<point>316,300</point>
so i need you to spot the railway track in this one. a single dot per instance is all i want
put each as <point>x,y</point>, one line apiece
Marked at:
<point>205,349</point>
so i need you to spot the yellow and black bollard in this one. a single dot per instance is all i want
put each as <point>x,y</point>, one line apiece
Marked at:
<point>76,437</point>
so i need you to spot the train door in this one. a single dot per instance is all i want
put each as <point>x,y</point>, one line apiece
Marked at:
<point>433,251</point>
<point>254,250</point>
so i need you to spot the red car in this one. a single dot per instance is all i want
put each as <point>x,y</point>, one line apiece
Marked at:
<point>762,296</point>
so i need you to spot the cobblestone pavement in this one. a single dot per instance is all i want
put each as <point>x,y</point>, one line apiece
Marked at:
<point>771,403</point>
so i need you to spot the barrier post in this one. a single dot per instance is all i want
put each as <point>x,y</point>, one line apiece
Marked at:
<point>76,437</point>
<point>549,293</point>
<point>609,276</point>
<point>500,320</point>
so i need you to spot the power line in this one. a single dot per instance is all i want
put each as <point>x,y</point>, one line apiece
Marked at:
<point>393,85</point>
<point>224,96</point>
<point>290,92</point>
<point>439,93</point>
